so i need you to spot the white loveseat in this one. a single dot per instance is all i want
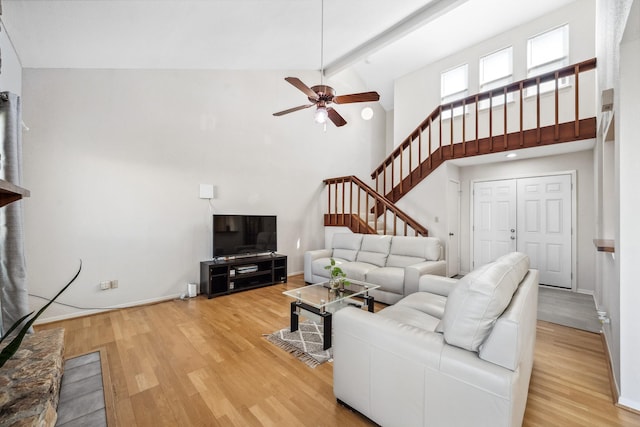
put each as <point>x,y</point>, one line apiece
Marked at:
<point>396,263</point>
<point>456,353</point>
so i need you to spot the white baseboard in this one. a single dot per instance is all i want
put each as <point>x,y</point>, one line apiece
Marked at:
<point>45,320</point>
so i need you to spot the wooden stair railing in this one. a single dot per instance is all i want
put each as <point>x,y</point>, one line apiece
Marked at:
<point>425,149</point>
<point>349,205</point>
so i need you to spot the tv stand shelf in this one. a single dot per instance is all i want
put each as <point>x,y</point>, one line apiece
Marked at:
<point>223,276</point>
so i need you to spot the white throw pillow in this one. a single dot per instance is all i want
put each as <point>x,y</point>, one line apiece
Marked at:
<point>478,299</point>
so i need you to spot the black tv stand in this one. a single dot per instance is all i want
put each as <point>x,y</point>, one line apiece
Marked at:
<point>222,276</point>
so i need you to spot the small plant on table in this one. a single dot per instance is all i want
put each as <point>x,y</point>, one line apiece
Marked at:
<point>337,276</point>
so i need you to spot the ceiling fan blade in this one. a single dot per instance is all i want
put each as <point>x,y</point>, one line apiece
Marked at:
<point>336,118</point>
<point>357,97</point>
<point>291,110</point>
<point>303,87</point>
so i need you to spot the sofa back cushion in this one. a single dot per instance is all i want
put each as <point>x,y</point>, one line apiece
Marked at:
<point>374,249</point>
<point>346,245</point>
<point>478,299</point>
<point>407,250</point>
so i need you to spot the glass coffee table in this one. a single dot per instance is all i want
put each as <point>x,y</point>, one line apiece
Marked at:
<point>323,301</point>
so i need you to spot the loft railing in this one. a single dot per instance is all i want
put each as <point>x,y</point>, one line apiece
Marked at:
<point>353,204</point>
<point>476,125</point>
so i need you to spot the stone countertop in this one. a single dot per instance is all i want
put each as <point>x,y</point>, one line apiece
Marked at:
<point>30,381</point>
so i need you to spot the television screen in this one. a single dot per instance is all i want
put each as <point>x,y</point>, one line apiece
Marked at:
<point>244,234</point>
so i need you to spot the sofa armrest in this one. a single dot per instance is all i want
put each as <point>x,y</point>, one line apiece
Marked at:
<point>309,257</point>
<point>413,273</point>
<point>438,285</point>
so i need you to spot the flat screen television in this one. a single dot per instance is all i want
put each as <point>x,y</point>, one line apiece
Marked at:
<point>244,234</point>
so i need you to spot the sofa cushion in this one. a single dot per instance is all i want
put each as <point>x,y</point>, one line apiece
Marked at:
<point>357,270</point>
<point>346,245</point>
<point>409,316</point>
<point>318,265</point>
<point>402,261</point>
<point>374,249</point>
<point>419,248</point>
<point>390,279</point>
<point>426,302</point>
<point>477,300</point>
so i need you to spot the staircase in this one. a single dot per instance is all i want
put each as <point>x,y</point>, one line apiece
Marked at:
<point>516,116</point>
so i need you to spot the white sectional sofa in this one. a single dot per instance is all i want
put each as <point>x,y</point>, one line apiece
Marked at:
<point>456,353</point>
<point>394,262</point>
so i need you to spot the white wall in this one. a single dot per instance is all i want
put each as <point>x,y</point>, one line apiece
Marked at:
<point>418,94</point>
<point>629,204</point>
<point>114,159</point>
<point>11,70</point>
<point>618,28</point>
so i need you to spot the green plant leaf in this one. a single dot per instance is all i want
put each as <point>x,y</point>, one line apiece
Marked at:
<point>13,346</point>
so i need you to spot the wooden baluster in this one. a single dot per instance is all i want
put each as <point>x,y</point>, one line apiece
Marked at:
<point>375,215</point>
<point>505,117</point>
<point>577,100</point>
<point>405,228</point>
<point>395,223</point>
<point>329,184</point>
<point>366,207</point>
<point>491,121</point>
<point>351,201</point>
<point>464,131</point>
<point>521,114</point>
<point>343,204</point>
<point>359,216</point>
<point>477,137</point>
<point>440,137</point>
<point>419,148</point>
<point>430,122</point>
<point>538,109</point>
<point>411,159</point>
<point>451,131</point>
<point>384,218</point>
<point>401,168</point>
<point>557,125</point>
<point>378,180</point>
<point>393,176</point>
<point>335,203</point>
<point>384,180</point>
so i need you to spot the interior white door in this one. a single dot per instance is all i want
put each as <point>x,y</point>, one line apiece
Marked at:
<point>544,226</point>
<point>494,220</point>
<point>453,225</point>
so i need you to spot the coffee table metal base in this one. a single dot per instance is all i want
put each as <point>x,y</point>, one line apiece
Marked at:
<point>325,315</point>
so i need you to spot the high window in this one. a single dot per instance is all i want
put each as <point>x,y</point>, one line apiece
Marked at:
<point>496,70</point>
<point>454,85</point>
<point>546,52</point>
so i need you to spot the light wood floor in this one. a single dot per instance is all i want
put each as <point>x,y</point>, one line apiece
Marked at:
<point>204,362</point>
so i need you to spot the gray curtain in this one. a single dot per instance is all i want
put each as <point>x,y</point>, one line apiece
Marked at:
<point>13,289</point>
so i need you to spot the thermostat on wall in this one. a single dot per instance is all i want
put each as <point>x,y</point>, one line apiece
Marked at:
<point>206,191</point>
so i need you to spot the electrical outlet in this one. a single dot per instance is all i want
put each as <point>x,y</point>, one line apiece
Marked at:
<point>105,285</point>
<point>114,284</point>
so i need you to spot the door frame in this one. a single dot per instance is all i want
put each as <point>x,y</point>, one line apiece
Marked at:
<point>456,218</point>
<point>574,216</point>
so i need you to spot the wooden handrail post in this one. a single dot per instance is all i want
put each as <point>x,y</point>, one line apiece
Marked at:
<point>557,104</point>
<point>577,101</point>
<point>538,109</point>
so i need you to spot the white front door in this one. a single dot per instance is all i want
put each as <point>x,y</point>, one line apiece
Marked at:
<point>544,226</point>
<point>530,215</point>
<point>453,225</point>
<point>494,220</point>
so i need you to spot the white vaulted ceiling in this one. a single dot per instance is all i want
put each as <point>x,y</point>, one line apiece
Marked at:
<point>380,40</point>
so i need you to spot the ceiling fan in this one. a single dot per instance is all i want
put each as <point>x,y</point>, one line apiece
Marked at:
<point>322,96</point>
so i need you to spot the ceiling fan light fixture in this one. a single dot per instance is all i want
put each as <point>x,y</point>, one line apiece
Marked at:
<point>321,115</point>
<point>366,113</point>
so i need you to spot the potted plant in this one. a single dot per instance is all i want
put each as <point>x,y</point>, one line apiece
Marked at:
<point>337,277</point>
